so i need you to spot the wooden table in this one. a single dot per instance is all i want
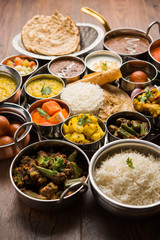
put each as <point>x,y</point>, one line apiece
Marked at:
<point>86,219</point>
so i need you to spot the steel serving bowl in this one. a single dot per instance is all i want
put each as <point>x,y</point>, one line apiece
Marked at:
<point>76,75</point>
<point>154,121</point>
<point>25,76</point>
<point>137,65</point>
<point>31,98</point>
<point>128,31</point>
<point>14,112</point>
<point>155,62</point>
<point>128,115</point>
<point>115,207</point>
<point>11,72</point>
<point>64,201</point>
<point>101,55</point>
<point>88,147</point>
<point>51,131</point>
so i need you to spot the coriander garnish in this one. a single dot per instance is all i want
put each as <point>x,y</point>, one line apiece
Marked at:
<point>130,163</point>
<point>104,66</point>
<point>83,120</point>
<point>46,90</point>
<point>43,113</point>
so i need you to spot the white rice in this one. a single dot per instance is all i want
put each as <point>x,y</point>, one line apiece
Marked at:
<point>83,98</point>
<point>138,186</point>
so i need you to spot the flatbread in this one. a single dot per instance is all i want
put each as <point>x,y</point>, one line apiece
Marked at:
<point>51,35</point>
<point>115,100</point>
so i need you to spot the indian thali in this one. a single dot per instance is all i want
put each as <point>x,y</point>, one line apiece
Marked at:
<point>77,100</point>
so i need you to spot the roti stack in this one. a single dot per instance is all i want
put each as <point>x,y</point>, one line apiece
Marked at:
<point>51,35</point>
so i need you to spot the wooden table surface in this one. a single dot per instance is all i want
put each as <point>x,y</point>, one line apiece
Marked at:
<point>86,219</point>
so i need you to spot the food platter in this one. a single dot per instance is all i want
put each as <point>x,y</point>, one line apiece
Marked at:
<point>91,36</point>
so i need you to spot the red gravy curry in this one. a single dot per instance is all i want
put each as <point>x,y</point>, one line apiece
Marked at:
<point>127,44</point>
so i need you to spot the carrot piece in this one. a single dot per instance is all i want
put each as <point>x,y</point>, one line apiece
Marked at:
<point>57,118</point>
<point>37,118</point>
<point>18,61</point>
<point>31,64</point>
<point>65,113</point>
<point>51,107</point>
<point>9,63</point>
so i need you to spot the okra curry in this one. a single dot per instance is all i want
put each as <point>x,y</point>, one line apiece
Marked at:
<point>45,175</point>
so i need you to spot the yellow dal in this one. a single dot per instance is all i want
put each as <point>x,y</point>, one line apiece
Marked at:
<point>7,86</point>
<point>34,88</point>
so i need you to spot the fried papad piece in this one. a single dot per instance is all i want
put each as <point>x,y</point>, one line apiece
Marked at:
<point>115,100</point>
<point>104,77</point>
<point>51,35</point>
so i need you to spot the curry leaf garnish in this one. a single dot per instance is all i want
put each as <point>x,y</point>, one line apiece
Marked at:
<point>130,163</point>
<point>104,66</point>
<point>46,90</point>
<point>83,120</point>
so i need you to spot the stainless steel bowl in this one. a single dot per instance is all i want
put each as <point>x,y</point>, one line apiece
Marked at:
<point>128,31</point>
<point>11,72</point>
<point>76,76</point>
<point>154,121</point>
<point>64,201</point>
<point>24,77</point>
<point>128,115</point>
<point>154,44</point>
<point>51,131</point>
<point>31,98</point>
<point>101,55</point>
<point>137,65</point>
<point>115,207</point>
<point>88,147</point>
<point>14,112</point>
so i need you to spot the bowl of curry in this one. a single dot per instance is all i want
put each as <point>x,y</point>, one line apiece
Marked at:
<point>10,83</point>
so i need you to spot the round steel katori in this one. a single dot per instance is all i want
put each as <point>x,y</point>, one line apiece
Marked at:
<point>24,77</point>
<point>14,74</point>
<point>77,76</point>
<point>59,146</point>
<point>113,206</point>
<point>129,67</point>
<point>88,147</point>
<point>29,97</point>
<point>50,131</point>
<point>127,115</point>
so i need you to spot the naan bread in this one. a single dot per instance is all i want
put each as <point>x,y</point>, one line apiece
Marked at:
<point>51,35</point>
<point>115,100</point>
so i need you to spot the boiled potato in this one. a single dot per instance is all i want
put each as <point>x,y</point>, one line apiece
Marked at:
<point>89,129</point>
<point>71,124</point>
<point>78,138</point>
<point>92,118</point>
<point>96,136</point>
<point>68,136</point>
<point>65,129</point>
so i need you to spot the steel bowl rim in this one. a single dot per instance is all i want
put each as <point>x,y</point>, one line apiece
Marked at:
<point>67,56</point>
<point>40,200</point>
<point>123,112</point>
<point>23,135</point>
<point>100,193</point>
<point>140,83</point>
<point>33,78</point>
<point>85,144</point>
<point>127,28</point>
<point>18,55</point>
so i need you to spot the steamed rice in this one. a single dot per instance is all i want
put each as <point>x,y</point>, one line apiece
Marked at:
<point>137,186</point>
<point>83,98</point>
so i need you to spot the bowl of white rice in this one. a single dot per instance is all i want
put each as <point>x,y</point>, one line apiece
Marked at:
<point>125,177</point>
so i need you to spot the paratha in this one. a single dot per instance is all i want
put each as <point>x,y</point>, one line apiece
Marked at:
<point>51,35</point>
<point>115,100</point>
